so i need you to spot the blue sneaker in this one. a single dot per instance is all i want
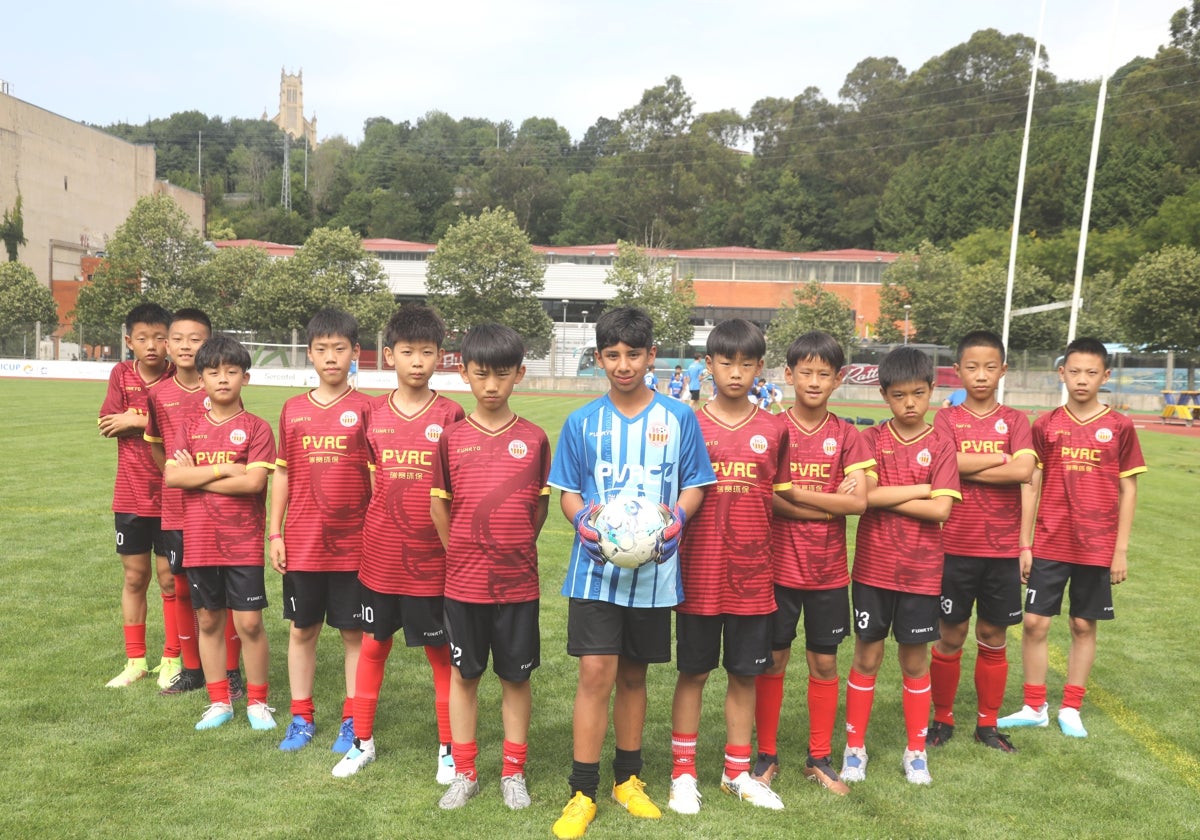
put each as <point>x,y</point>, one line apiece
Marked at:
<point>299,733</point>
<point>217,714</point>
<point>345,738</point>
<point>1070,723</point>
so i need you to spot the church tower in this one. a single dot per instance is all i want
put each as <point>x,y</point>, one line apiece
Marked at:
<point>291,109</point>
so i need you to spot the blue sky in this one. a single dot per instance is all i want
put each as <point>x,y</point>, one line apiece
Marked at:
<point>576,62</point>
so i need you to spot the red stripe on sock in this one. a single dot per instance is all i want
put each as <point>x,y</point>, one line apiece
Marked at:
<point>860,695</point>
<point>683,754</point>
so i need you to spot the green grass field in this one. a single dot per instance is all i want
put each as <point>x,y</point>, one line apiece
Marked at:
<point>84,761</point>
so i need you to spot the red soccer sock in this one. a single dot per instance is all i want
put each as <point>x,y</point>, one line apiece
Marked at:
<point>991,675</point>
<point>1073,696</point>
<point>916,705</point>
<point>257,693</point>
<point>683,754</point>
<point>233,644</point>
<point>822,715</point>
<point>464,758</point>
<point>439,661</point>
<point>185,624</point>
<point>860,695</point>
<point>944,675</point>
<point>301,706</point>
<point>170,626</point>
<point>1035,695</point>
<point>367,681</point>
<point>768,700</point>
<point>218,692</point>
<point>135,641</point>
<point>514,758</point>
<point>737,760</point>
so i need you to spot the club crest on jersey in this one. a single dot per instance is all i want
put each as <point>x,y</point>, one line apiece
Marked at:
<point>758,444</point>
<point>517,449</point>
<point>829,446</point>
<point>1001,426</point>
<point>658,434</point>
<point>1104,434</point>
<point>237,437</point>
<point>349,419</point>
<point>208,404</point>
<point>924,458</point>
<point>433,433</point>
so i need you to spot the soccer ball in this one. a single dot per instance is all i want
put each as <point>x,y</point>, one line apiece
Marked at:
<point>630,531</point>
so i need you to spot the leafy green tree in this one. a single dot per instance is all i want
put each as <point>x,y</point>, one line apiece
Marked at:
<point>650,284</point>
<point>1159,299</point>
<point>12,230</point>
<point>23,301</point>
<point>978,304</point>
<point>225,278</point>
<point>926,280</point>
<point>813,308</point>
<point>484,270</point>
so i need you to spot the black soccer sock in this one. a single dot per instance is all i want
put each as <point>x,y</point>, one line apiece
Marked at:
<point>626,763</point>
<point>585,778</point>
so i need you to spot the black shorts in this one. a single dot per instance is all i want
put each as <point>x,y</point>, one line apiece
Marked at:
<point>138,534</point>
<point>217,588</point>
<point>172,542</point>
<point>384,613</point>
<point>994,583</point>
<point>826,617</point>
<point>747,643</point>
<point>333,597</point>
<point>600,628</point>
<point>509,631</point>
<point>911,618</point>
<point>1091,590</point>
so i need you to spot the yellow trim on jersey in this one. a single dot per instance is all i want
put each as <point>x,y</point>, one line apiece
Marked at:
<point>281,462</point>
<point>861,465</point>
<point>873,473</point>
<point>908,441</point>
<point>151,438</point>
<point>1093,418</point>
<point>266,465</point>
<point>1134,471</point>
<point>493,432</point>
<point>433,395</point>
<point>332,402</point>
<point>441,494</point>
<point>1021,452</point>
<point>545,491</point>
<point>779,488</point>
<point>725,425</point>
<point>945,491</point>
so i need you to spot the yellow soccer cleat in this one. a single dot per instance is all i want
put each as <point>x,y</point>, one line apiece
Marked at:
<point>576,817</point>
<point>134,670</point>
<point>632,794</point>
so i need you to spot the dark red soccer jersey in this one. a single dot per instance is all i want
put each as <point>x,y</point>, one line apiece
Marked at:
<point>811,554</point>
<point>988,522</point>
<point>894,551</point>
<point>138,485</point>
<point>323,447</point>
<point>221,530</point>
<point>402,554</point>
<point>494,480</point>
<point>725,557</point>
<point>1082,463</point>
<point>171,406</point>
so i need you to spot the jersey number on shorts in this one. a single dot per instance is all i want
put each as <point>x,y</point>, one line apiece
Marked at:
<point>862,619</point>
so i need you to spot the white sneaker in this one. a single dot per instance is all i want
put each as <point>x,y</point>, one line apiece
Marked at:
<point>1070,723</point>
<point>445,765</point>
<point>217,714</point>
<point>854,764</point>
<point>133,671</point>
<point>259,715</point>
<point>1028,716</point>
<point>460,790</point>
<point>685,798</point>
<point>514,792</point>
<point>358,757</point>
<point>748,789</point>
<point>916,767</point>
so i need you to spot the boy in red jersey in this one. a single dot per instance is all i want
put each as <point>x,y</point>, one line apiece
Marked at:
<point>982,540</point>
<point>490,499</point>
<point>322,486</point>
<point>1085,491</point>
<point>402,574</point>
<point>725,566</point>
<point>897,572</point>
<point>137,491</point>
<point>828,460</point>
<point>222,464</point>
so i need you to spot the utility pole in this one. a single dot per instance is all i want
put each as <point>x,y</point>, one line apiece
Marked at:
<point>285,198</point>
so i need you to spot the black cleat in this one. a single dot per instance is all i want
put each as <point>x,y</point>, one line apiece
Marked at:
<point>766,768</point>
<point>939,733</point>
<point>237,688</point>
<point>989,736</point>
<point>189,679</point>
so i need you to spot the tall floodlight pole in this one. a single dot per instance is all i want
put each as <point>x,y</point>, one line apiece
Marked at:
<point>1016,225</point>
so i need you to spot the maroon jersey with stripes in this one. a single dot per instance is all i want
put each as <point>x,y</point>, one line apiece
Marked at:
<point>811,554</point>
<point>1083,462</point>
<point>221,530</point>
<point>894,551</point>
<point>494,480</point>
<point>323,447</point>
<point>138,485</point>
<point>725,555</point>
<point>988,522</point>
<point>402,554</point>
<point>171,405</point>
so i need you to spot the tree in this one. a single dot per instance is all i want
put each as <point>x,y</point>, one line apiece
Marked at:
<point>926,280</point>
<point>1159,299</point>
<point>650,284</point>
<point>813,308</point>
<point>23,301</point>
<point>484,270</point>
<point>12,230</point>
